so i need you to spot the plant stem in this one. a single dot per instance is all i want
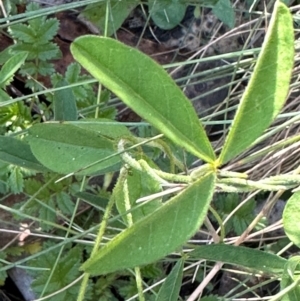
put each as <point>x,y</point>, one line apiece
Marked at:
<point>139,284</point>
<point>96,246</point>
<point>138,276</point>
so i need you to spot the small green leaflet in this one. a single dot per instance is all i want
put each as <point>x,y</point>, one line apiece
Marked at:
<point>145,87</point>
<point>268,87</point>
<point>158,234</point>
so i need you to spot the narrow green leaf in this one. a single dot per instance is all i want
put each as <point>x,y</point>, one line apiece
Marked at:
<point>17,152</point>
<point>117,14</point>
<point>241,256</point>
<point>11,67</point>
<point>145,87</point>
<point>171,287</point>
<point>268,87</point>
<point>167,14</point>
<point>291,218</point>
<point>158,234</point>
<point>64,103</point>
<point>65,148</point>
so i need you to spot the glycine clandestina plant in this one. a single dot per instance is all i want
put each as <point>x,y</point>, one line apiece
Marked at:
<point>100,146</point>
<point>156,98</point>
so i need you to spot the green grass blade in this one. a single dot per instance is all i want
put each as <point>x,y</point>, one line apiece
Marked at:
<point>158,234</point>
<point>268,87</point>
<point>145,87</point>
<point>171,287</point>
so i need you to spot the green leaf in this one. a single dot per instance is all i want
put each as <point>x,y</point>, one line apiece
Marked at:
<point>167,14</point>
<point>17,152</point>
<point>145,87</point>
<point>3,274</point>
<point>64,202</point>
<point>64,103</point>
<point>43,52</point>
<point>241,256</point>
<point>61,275</point>
<point>291,218</point>
<point>288,278</point>
<point>117,14</point>
<point>73,73</point>
<point>11,67</point>
<point>3,96</point>
<point>105,127</point>
<point>224,11</point>
<point>140,184</point>
<point>96,201</point>
<point>47,213</point>
<point>171,287</point>
<point>84,93</point>
<point>5,55</point>
<point>225,204</point>
<point>23,33</point>
<point>65,148</point>
<point>158,234</point>
<point>268,87</point>
<point>15,180</point>
<point>47,31</point>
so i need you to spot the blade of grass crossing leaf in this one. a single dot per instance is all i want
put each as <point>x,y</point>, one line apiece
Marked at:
<point>268,87</point>
<point>170,289</point>
<point>158,234</point>
<point>146,88</point>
